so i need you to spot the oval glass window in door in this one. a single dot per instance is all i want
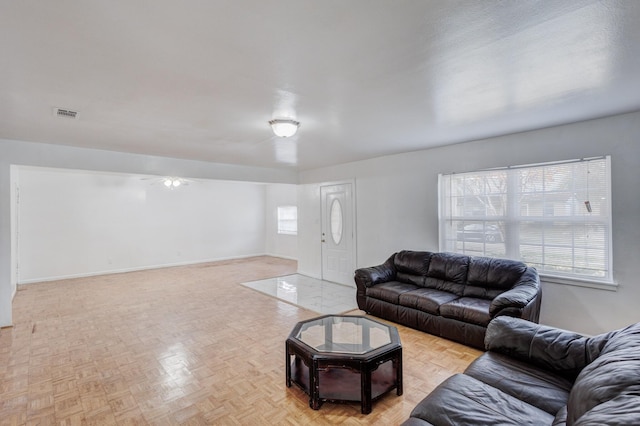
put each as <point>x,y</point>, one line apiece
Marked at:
<point>336,221</point>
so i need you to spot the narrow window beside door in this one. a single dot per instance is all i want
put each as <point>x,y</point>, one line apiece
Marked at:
<point>288,220</point>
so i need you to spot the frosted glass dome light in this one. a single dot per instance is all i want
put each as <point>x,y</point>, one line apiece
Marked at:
<point>284,128</point>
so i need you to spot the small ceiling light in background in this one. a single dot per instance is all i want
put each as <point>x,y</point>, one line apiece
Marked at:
<point>172,182</point>
<point>284,127</point>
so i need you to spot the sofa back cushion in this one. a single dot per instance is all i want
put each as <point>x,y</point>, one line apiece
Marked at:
<point>609,387</point>
<point>449,267</point>
<point>447,272</point>
<point>412,266</point>
<point>488,277</point>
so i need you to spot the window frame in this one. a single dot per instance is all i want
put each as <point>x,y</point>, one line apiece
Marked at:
<point>511,219</point>
<point>282,222</point>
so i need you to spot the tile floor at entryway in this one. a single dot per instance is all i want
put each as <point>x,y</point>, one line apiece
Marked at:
<point>323,297</point>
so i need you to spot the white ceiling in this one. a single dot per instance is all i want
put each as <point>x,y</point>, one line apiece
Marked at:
<point>200,79</point>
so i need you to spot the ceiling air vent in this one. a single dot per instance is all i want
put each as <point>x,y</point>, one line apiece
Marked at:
<point>66,113</point>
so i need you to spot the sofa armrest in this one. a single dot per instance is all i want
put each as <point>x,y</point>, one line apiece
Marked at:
<point>522,295</point>
<point>367,277</point>
<point>562,351</point>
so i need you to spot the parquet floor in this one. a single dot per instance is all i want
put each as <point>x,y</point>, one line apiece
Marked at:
<point>185,345</point>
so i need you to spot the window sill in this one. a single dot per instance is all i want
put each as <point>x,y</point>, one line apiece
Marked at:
<point>600,285</point>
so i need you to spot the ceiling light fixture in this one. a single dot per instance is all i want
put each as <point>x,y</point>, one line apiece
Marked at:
<point>284,127</point>
<point>172,182</point>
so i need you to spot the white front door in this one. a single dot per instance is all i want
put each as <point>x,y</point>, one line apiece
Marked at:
<point>338,235</point>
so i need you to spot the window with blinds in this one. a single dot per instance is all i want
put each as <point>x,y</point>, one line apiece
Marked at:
<point>288,220</point>
<point>555,216</point>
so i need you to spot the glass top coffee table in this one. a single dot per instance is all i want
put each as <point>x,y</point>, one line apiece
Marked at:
<point>339,358</point>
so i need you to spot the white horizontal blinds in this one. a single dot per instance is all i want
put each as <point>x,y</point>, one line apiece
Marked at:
<point>555,217</point>
<point>564,218</point>
<point>475,212</point>
<point>288,220</point>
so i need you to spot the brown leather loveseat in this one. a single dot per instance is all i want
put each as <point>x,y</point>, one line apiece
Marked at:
<point>449,295</point>
<point>537,375</point>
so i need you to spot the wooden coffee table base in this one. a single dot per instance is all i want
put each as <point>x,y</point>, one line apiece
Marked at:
<point>345,380</point>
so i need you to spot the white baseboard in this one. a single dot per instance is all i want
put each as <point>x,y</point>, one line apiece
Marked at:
<point>281,256</point>
<point>137,268</point>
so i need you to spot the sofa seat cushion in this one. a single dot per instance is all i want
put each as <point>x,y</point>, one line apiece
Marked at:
<point>444,285</point>
<point>426,299</point>
<point>390,291</point>
<point>537,387</point>
<point>468,309</point>
<point>463,400</point>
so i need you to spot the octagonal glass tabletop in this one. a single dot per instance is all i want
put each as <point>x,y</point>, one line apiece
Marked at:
<point>344,334</point>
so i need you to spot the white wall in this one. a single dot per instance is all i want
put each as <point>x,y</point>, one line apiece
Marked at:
<point>13,197</point>
<point>397,208</point>
<point>279,244</point>
<point>44,155</point>
<point>78,223</point>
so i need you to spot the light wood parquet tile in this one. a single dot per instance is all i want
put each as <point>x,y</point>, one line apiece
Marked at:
<point>180,346</point>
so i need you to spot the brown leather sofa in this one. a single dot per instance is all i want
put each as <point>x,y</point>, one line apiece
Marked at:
<point>538,375</point>
<point>449,295</point>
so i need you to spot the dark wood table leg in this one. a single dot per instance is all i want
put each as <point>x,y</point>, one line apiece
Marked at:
<point>399,372</point>
<point>314,385</point>
<point>287,363</point>
<point>365,389</point>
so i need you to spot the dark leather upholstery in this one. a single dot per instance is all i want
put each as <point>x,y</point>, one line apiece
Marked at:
<point>452,401</point>
<point>538,375</point>
<point>467,309</point>
<point>449,267</point>
<point>426,299</point>
<point>412,262</point>
<point>390,291</point>
<point>522,380</point>
<point>447,294</point>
